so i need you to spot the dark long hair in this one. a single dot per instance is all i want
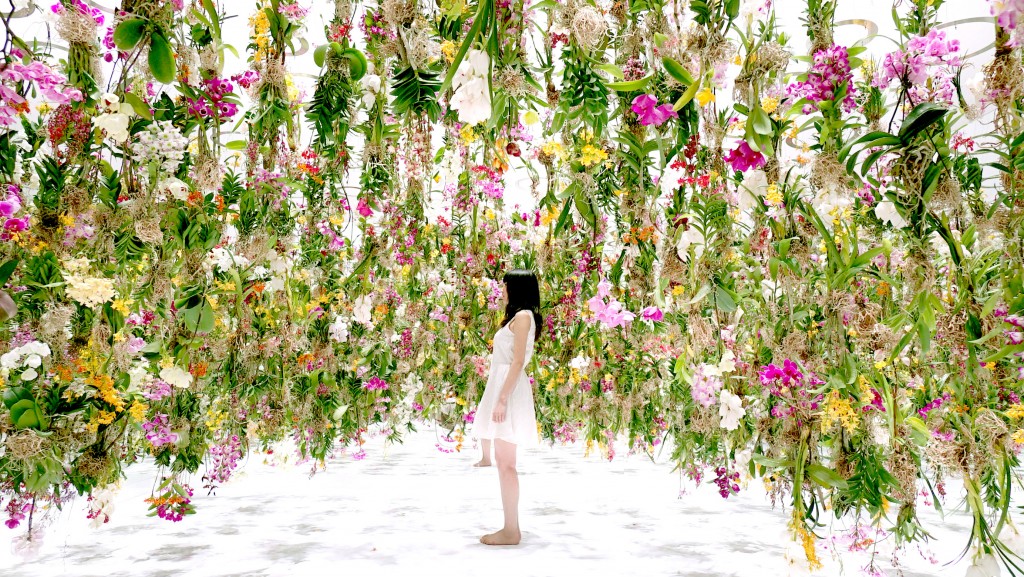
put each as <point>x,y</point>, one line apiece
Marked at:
<point>523,295</point>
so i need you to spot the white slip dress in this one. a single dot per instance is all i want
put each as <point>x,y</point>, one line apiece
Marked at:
<point>520,424</point>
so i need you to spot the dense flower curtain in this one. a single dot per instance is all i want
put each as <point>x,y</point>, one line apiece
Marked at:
<point>785,259</point>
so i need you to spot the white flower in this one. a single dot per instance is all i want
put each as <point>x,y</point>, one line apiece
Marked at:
<point>480,62</point>
<point>362,310</point>
<point>371,86</point>
<point>174,187</point>
<point>176,377</point>
<point>728,363</point>
<point>33,361</point>
<point>743,458</point>
<point>29,375</point>
<point>473,101</point>
<point>730,410</point>
<point>115,125</point>
<point>339,330</point>
<point>886,212</point>
<point>984,566</point>
<point>755,186</point>
<point>110,102</point>
<point>139,375</point>
<point>230,235</point>
<point>691,236</point>
<point>90,291</point>
<point>579,363</point>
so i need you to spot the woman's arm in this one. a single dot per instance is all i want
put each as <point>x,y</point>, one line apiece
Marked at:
<point>520,327</point>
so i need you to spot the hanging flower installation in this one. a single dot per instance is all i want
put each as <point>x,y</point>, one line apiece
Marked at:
<point>200,255</point>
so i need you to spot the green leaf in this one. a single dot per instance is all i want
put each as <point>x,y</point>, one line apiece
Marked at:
<point>611,69</point>
<point>211,9</point>
<point>236,145</point>
<point>724,301</point>
<point>825,477</point>
<point>919,431</point>
<point>339,412</point>
<point>676,70</point>
<point>25,414</point>
<point>356,62</point>
<point>761,122</point>
<point>919,119</point>
<point>128,33</point>
<point>631,85</point>
<point>686,97</point>
<point>161,59</point>
<point>138,105</point>
<point>320,55</point>
<point>6,270</point>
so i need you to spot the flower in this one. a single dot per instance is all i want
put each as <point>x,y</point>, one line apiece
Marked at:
<point>690,237</point>
<point>472,98</point>
<point>114,125</point>
<point>886,212</point>
<point>730,410</point>
<point>705,96</point>
<point>362,310</point>
<point>743,158</point>
<point>653,314</point>
<point>646,107</point>
<point>176,188</point>
<point>830,77</point>
<point>706,384</point>
<point>176,376</point>
<point>985,565</point>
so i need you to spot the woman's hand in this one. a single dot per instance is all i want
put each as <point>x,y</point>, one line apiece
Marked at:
<point>500,409</point>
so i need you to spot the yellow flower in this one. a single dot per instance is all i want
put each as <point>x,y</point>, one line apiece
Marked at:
<point>138,411</point>
<point>705,96</point>
<point>121,305</point>
<point>467,134</point>
<point>1015,411</point>
<point>531,117</point>
<point>591,155</point>
<point>105,418</point>
<point>448,49</point>
<point>1018,436</point>
<point>678,290</point>
<point>773,196</point>
<point>770,104</point>
<point>553,148</point>
<point>489,214</point>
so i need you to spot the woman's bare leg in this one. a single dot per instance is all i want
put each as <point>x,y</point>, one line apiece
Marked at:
<point>505,455</point>
<point>485,461</point>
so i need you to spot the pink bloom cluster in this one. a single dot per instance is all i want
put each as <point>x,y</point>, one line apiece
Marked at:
<point>225,459</point>
<point>157,390</point>
<point>930,57</point>
<point>791,387</point>
<point>607,310</point>
<point>934,404</point>
<point>334,240</point>
<point>375,384</point>
<point>653,314</point>
<point>95,13</point>
<point>829,78</point>
<point>10,205</point>
<point>214,103</point>
<point>646,107</point>
<point>705,387</point>
<point>293,12</point>
<point>17,509</point>
<point>50,85</point>
<point>728,483</point>
<point>744,158</point>
<point>158,431</point>
<point>375,27</point>
<point>1007,12</point>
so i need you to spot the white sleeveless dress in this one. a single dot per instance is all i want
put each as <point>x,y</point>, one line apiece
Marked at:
<point>520,424</point>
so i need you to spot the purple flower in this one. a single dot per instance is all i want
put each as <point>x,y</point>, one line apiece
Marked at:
<point>1015,337</point>
<point>830,74</point>
<point>744,158</point>
<point>646,107</point>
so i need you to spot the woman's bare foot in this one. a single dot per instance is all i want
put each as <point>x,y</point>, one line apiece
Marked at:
<point>482,463</point>
<point>503,537</point>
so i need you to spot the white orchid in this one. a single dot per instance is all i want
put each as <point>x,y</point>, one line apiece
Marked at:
<point>176,377</point>
<point>730,410</point>
<point>886,212</point>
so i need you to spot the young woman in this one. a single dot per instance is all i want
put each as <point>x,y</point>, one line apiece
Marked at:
<point>506,414</point>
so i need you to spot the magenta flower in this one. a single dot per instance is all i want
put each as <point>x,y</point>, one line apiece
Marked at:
<point>363,208</point>
<point>646,107</point>
<point>828,76</point>
<point>744,158</point>
<point>653,314</point>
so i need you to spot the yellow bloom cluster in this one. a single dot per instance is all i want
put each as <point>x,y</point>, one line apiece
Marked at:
<point>259,27</point>
<point>705,96</point>
<point>467,134</point>
<point>554,148</point>
<point>770,104</point>
<point>773,196</point>
<point>104,386</point>
<point>840,410</point>
<point>138,411</point>
<point>448,50</point>
<point>591,155</point>
<point>1015,411</point>
<point>807,540</point>
<point>1018,437</point>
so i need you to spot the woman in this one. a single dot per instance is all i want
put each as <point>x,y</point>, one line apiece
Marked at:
<point>506,415</point>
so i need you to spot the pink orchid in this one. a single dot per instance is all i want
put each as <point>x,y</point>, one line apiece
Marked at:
<point>646,107</point>
<point>744,158</point>
<point>363,208</point>
<point>653,314</point>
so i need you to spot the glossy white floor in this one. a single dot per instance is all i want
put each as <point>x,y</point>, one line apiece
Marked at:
<point>412,510</point>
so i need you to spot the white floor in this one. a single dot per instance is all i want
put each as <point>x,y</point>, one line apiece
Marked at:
<point>412,510</point>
